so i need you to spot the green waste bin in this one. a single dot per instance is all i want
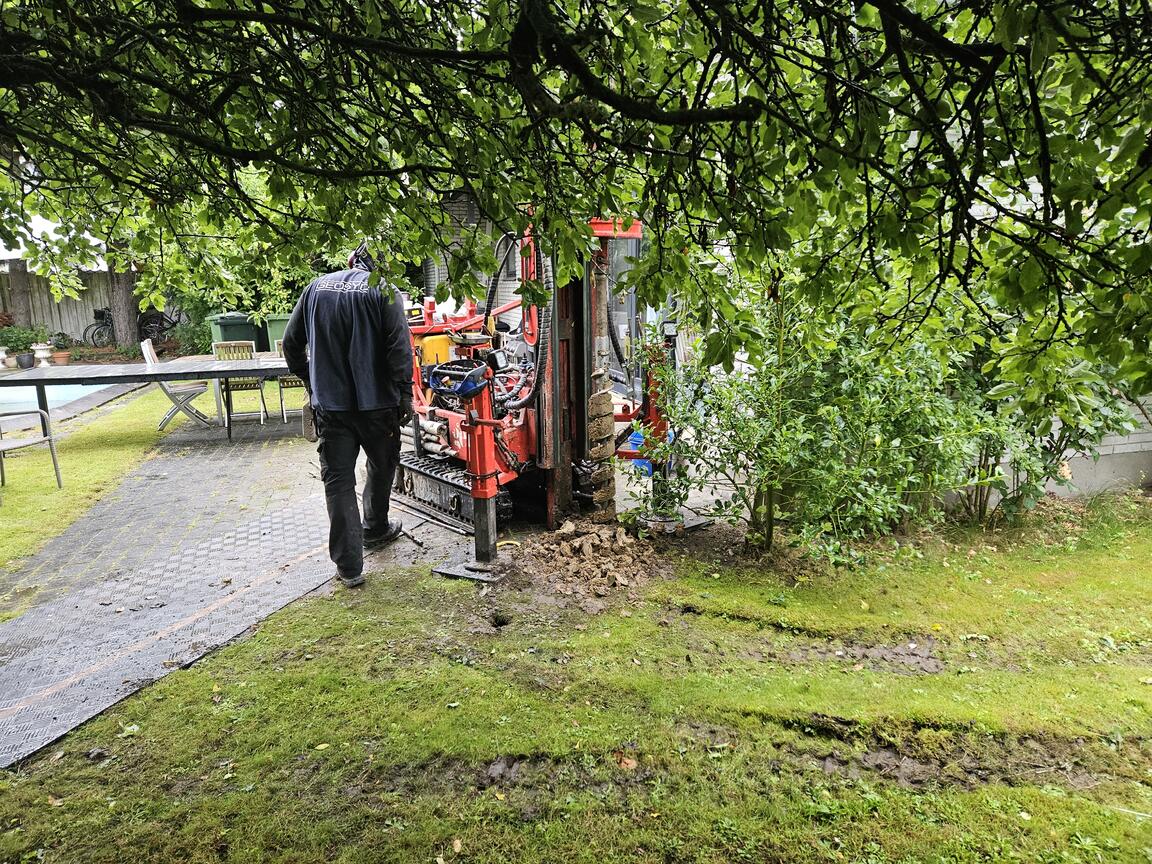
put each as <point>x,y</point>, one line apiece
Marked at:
<point>233,327</point>
<point>276,325</point>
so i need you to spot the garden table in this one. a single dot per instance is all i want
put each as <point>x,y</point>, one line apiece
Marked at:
<point>263,365</point>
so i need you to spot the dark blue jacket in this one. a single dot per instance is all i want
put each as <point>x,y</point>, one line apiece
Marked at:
<point>350,341</point>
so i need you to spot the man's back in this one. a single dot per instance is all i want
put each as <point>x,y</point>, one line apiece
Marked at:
<point>358,341</point>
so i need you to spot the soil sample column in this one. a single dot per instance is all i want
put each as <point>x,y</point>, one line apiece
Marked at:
<point>599,480</point>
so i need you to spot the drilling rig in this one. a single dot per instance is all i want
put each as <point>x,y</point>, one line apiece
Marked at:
<point>514,406</point>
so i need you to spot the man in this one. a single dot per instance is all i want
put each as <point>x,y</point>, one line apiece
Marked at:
<point>349,342</point>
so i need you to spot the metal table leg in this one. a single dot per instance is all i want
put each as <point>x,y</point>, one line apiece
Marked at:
<point>42,401</point>
<point>219,402</point>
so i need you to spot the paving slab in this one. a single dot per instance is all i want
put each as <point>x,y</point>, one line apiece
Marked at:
<point>199,543</point>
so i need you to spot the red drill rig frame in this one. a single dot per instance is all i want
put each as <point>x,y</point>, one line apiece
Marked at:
<point>496,403</point>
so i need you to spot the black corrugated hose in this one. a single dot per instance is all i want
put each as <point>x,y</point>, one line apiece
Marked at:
<point>545,336</point>
<point>490,299</point>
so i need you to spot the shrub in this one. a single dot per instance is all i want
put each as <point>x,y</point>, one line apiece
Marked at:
<point>193,337</point>
<point>19,340</point>
<point>845,432</point>
<point>840,436</point>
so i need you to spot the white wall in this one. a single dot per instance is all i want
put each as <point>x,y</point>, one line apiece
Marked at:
<point>1125,460</point>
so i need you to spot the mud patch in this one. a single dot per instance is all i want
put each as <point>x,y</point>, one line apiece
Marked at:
<point>958,759</point>
<point>781,624</point>
<point>916,756</point>
<point>915,656</point>
<point>537,776</point>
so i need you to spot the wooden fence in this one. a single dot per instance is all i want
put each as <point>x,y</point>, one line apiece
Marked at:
<point>70,315</point>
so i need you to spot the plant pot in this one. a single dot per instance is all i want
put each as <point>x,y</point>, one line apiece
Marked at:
<point>25,360</point>
<point>61,358</point>
<point>10,361</point>
<point>42,351</point>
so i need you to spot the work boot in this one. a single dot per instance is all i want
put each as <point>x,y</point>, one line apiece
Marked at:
<point>375,541</point>
<point>350,581</point>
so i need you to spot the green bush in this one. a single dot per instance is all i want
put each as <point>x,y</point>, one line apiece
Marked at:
<point>193,337</point>
<point>840,436</point>
<point>844,432</point>
<point>19,340</point>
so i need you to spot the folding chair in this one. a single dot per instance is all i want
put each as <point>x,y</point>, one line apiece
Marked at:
<point>285,381</point>
<point>180,393</point>
<point>16,443</point>
<point>239,350</point>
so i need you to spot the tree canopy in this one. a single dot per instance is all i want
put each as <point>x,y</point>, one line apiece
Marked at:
<point>984,161</point>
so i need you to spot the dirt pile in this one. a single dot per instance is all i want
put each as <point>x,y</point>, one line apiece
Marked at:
<point>583,560</point>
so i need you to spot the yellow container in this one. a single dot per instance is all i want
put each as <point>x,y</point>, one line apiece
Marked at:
<point>435,349</point>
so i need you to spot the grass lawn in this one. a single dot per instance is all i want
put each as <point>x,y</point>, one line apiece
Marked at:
<point>982,700</point>
<point>97,449</point>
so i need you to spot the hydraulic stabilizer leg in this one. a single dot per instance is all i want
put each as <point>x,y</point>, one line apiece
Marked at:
<point>483,469</point>
<point>485,515</point>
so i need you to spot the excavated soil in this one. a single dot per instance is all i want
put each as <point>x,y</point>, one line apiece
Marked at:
<point>584,563</point>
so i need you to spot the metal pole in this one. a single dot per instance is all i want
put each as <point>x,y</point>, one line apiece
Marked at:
<point>42,401</point>
<point>482,465</point>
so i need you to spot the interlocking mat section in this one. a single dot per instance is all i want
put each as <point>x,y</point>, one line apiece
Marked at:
<point>198,544</point>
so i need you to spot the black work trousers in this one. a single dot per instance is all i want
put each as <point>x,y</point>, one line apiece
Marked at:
<point>342,434</point>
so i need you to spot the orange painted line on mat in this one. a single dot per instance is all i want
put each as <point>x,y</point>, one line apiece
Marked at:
<point>29,701</point>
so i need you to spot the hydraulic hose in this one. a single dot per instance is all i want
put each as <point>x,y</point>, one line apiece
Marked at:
<point>490,299</point>
<point>431,276</point>
<point>545,337</point>
<point>616,347</point>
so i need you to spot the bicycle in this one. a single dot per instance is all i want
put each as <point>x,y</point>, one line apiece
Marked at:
<point>150,324</point>
<point>100,333</point>
<point>156,325</point>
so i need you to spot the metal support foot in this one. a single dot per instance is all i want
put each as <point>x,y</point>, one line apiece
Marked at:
<point>482,568</point>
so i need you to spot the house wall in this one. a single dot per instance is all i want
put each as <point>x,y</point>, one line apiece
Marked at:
<point>1124,461</point>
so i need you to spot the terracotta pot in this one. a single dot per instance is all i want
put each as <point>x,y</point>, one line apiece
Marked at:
<point>61,358</point>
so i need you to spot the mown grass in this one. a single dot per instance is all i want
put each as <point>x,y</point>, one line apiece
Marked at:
<point>95,452</point>
<point>687,725</point>
<point>1077,574</point>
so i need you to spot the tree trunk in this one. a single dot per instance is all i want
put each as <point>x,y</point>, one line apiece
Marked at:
<point>125,307</point>
<point>762,520</point>
<point>20,291</point>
